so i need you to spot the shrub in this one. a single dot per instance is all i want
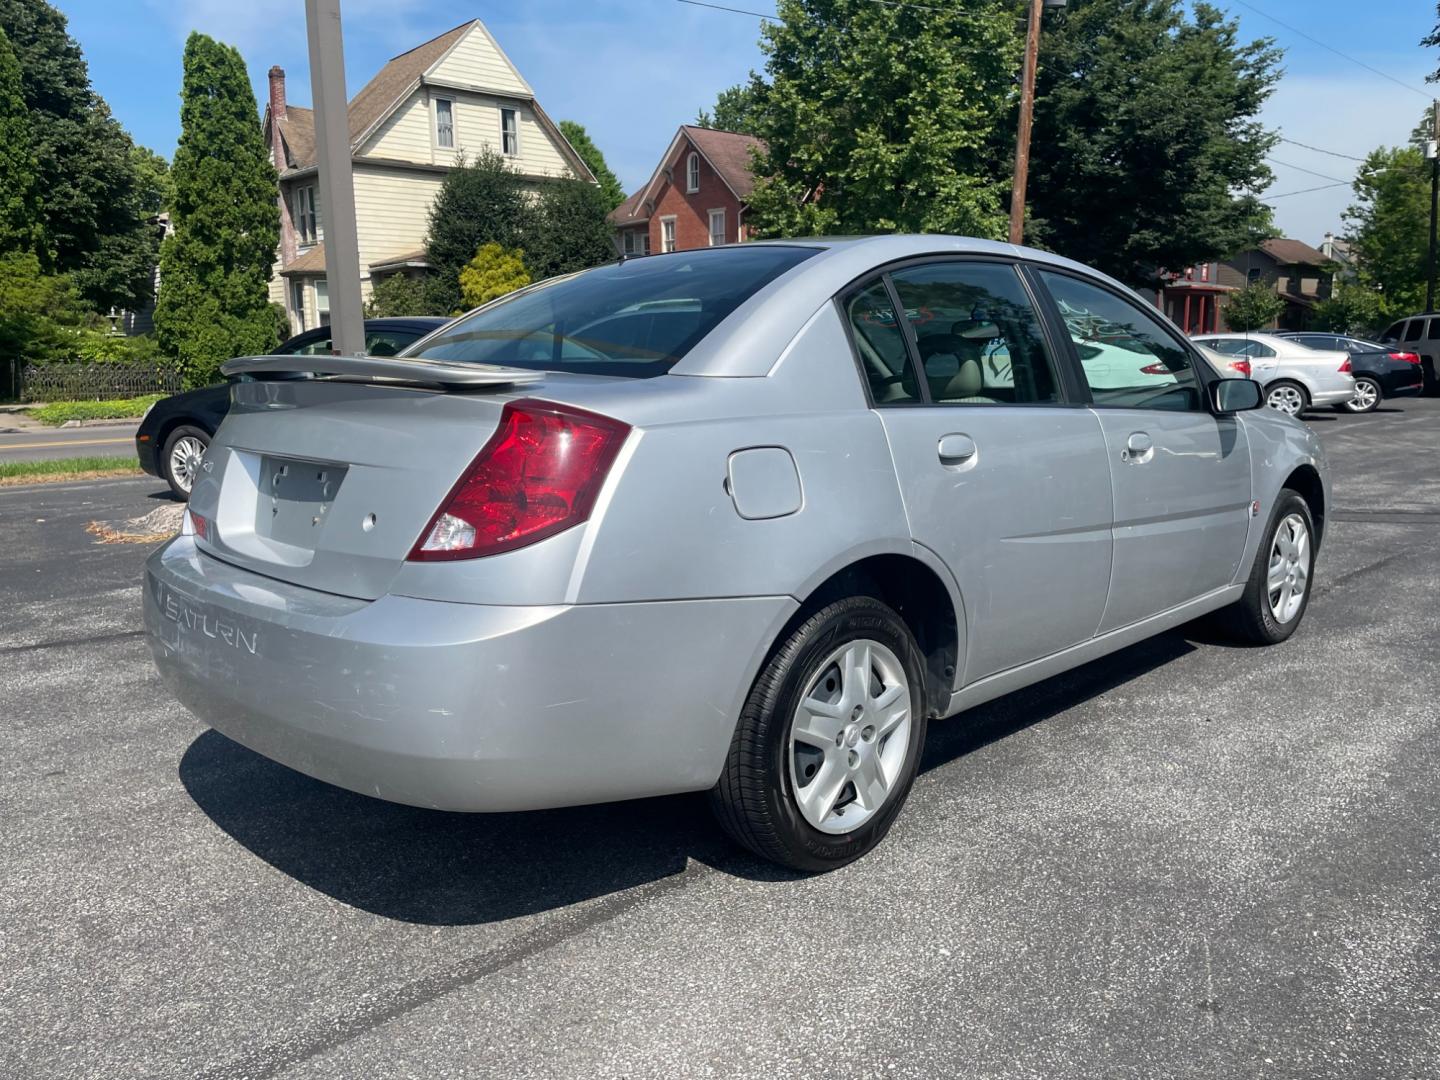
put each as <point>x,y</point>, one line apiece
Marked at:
<point>399,295</point>
<point>60,412</point>
<point>493,272</point>
<point>1254,307</point>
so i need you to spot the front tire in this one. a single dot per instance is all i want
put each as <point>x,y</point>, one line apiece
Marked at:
<point>829,739</point>
<point>180,459</point>
<point>1287,397</point>
<point>1277,593</point>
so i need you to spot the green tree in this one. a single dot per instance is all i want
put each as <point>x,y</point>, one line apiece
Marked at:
<point>1352,308</point>
<point>568,231</point>
<point>21,215</point>
<point>1254,307</point>
<point>215,270</point>
<point>154,189</point>
<point>94,226</point>
<point>1388,227</point>
<point>1146,128</point>
<point>737,109</point>
<point>494,272</point>
<point>399,295</point>
<point>483,201</point>
<point>887,112</point>
<point>1432,41</point>
<point>38,312</point>
<point>612,194</point>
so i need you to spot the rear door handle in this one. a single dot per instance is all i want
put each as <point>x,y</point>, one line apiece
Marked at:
<point>956,449</point>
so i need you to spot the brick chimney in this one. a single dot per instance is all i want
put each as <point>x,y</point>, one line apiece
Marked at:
<point>277,91</point>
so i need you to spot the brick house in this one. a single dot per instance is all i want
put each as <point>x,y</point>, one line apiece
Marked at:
<point>1301,275</point>
<point>695,198</point>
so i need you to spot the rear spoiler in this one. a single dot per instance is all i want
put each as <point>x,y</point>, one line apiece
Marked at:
<point>412,371</point>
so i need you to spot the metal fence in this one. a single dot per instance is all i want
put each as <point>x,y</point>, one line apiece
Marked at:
<point>95,381</point>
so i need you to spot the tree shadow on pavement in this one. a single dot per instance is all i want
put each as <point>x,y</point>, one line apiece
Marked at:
<point>447,869</point>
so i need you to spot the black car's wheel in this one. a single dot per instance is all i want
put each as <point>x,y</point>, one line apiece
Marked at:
<point>180,458</point>
<point>828,741</point>
<point>1368,396</point>
<point>1281,581</point>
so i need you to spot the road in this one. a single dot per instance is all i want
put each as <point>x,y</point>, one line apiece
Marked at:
<point>1186,860</point>
<point>31,444</point>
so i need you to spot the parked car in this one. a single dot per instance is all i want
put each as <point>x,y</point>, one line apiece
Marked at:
<point>1380,371</point>
<point>718,519</point>
<point>1294,377</point>
<point>176,430</point>
<point>1419,334</point>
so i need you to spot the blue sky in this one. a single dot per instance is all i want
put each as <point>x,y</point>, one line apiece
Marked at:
<point>632,70</point>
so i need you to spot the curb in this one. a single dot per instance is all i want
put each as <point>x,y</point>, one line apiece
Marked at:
<point>130,422</point>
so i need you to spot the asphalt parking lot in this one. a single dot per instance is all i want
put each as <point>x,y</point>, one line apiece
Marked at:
<point>1186,860</point>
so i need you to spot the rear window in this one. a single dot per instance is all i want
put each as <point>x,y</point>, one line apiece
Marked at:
<point>635,318</point>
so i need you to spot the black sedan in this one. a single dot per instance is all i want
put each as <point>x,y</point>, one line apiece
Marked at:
<point>177,429</point>
<point>1381,371</point>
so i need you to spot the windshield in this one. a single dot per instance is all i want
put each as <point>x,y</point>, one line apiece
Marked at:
<point>634,318</point>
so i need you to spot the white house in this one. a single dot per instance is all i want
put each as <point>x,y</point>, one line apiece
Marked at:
<point>427,108</point>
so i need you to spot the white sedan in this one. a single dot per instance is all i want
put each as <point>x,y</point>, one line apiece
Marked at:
<point>1294,377</point>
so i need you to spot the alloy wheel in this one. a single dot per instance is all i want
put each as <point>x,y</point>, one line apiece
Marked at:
<point>1367,396</point>
<point>1288,574</point>
<point>1286,399</point>
<point>849,736</point>
<point>185,458</point>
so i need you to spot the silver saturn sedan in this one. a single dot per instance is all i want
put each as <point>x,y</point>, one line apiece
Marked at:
<point>739,520</point>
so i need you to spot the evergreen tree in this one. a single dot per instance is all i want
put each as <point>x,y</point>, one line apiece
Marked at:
<point>567,230</point>
<point>215,269</point>
<point>481,202</point>
<point>880,117</point>
<point>612,194</point>
<point>494,272</point>
<point>21,221</point>
<point>1146,126</point>
<point>94,226</point>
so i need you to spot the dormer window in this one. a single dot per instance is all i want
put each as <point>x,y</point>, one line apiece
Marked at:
<point>692,174</point>
<point>444,123</point>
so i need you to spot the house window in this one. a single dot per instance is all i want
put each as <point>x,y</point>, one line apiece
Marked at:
<point>445,123</point>
<point>667,234</point>
<point>509,133</point>
<point>322,302</point>
<point>637,242</point>
<point>717,227</point>
<point>307,221</point>
<point>297,304</point>
<point>1252,275</point>
<point>692,174</point>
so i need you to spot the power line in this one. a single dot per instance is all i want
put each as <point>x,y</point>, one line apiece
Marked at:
<point>1310,172</point>
<point>1319,150</point>
<point>1306,191</point>
<point>1331,48</point>
<point>722,7</point>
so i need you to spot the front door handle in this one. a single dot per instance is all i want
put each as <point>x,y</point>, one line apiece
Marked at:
<point>956,449</point>
<point>1138,447</point>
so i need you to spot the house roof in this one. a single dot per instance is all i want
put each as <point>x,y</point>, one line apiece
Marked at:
<point>1292,252</point>
<point>419,257</point>
<point>729,153</point>
<point>312,262</point>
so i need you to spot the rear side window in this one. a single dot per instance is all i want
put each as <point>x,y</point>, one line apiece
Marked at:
<point>1413,329</point>
<point>1129,360</point>
<point>880,343</point>
<point>635,318</point>
<point>977,334</point>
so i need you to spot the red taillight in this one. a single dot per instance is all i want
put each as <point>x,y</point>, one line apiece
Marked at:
<point>1155,369</point>
<point>538,475</point>
<point>1407,357</point>
<point>192,524</point>
<point>1345,365</point>
<point>1242,366</point>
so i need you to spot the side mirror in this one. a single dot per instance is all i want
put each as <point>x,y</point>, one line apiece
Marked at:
<point>1235,395</point>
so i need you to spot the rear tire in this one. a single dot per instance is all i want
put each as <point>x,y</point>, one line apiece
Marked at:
<point>1368,396</point>
<point>180,458</point>
<point>792,787</point>
<point>1278,591</point>
<point>1287,397</point>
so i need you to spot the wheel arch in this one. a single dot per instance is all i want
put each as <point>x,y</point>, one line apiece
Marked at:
<point>1305,480</point>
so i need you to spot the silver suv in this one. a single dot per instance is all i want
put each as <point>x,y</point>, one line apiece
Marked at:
<point>742,519</point>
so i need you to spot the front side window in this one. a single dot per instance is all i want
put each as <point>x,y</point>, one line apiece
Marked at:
<point>1393,334</point>
<point>305,216</point>
<point>509,133</point>
<point>1129,360</point>
<point>667,234</point>
<point>634,318</point>
<point>977,334</point>
<point>717,227</point>
<point>692,173</point>
<point>445,123</point>
<point>880,345</point>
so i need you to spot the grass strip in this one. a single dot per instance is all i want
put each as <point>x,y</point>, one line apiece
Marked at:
<point>58,412</point>
<point>56,470</point>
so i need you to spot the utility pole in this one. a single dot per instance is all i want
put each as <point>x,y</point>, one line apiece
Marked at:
<point>1027,118</point>
<point>337,185</point>
<point>1432,151</point>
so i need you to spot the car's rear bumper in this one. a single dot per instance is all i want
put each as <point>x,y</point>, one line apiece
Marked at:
<point>458,706</point>
<point>1402,383</point>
